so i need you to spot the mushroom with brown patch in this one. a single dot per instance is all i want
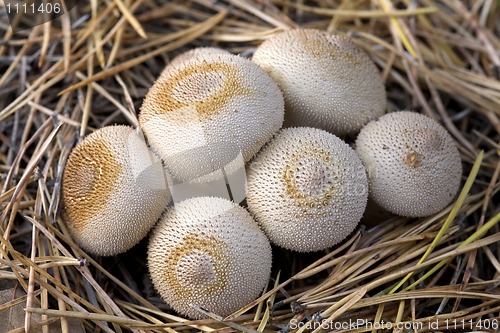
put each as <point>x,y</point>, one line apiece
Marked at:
<point>413,165</point>
<point>213,107</point>
<point>307,189</point>
<point>327,81</point>
<point>208,252</point>
<point>113,190</point>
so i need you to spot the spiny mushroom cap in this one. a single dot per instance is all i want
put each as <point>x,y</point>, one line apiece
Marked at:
<point>114,190</point>
<point>326,80</point>
<point>212,108</point>
<point>183,57</point>
<point>307,189</point>
<point>209,252</point>
<point>413,166</point>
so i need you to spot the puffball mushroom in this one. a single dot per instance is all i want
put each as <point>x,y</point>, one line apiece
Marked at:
<point>307,189</point>
<point>327,81</point>
<point>413,166</point>
<point>113,191</point>
<point>212,108</point>
<point>208,252</point>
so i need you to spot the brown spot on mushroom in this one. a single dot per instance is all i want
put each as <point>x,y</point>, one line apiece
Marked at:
<point>205,253</point>
<point>297,179</point>
<point>412,159</point>
<point>207,86</point>
<point>89,181</point>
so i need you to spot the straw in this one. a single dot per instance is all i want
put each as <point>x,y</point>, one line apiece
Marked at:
<point>92,67</point>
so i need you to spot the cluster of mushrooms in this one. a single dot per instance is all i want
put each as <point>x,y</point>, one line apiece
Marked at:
<point>306,189</point>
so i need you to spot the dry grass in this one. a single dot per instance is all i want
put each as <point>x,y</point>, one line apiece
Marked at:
<point>65,78</point>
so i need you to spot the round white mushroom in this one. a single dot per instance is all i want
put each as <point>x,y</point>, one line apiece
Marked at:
<point>214,107</point>
<point>114,190</point>
<point>208,252</point>
<point>327,81</point>
<point>413,165</point>
<point>307,189</point>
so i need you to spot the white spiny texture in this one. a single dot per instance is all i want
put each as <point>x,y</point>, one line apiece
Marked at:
<point>114,190</point>
<point>213,107</point>
<point>327,81</point>
<point>413,165</point>
<point>209,252</point>
<point>177,62</point>
<point>307,189</point>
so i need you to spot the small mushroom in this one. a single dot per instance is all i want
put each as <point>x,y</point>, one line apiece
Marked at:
<point>413,165</point>
<point>208,252</point>
<point>113,191</point>
<point>307,189</point>
<point>326,80</point>
<point>214,107</point>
